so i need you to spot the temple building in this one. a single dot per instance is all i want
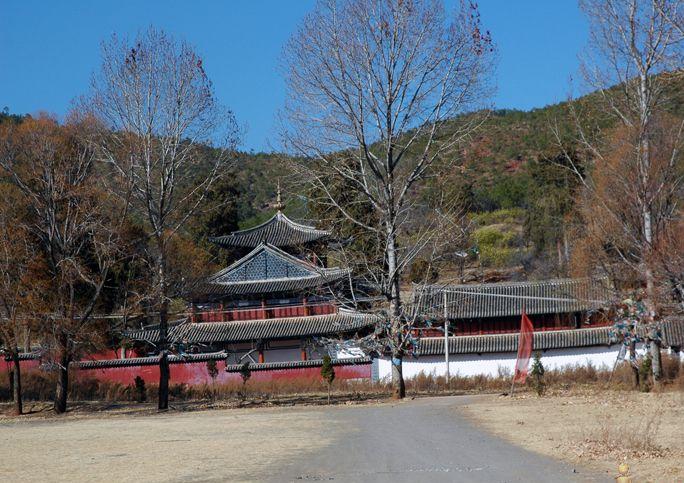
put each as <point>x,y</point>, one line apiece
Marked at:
<point>270,305</point>
<point>483,322</point>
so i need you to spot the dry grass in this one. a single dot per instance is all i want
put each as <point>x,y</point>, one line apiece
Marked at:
<point>635,438</point>
<point>40,386</point>
<point>595,427</point>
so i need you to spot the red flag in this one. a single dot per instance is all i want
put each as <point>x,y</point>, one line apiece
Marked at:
<point>524,349</point>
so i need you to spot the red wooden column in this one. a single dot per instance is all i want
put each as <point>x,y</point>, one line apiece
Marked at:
<point>223,314</point>
<point>263,308</point>
<point>261,356</point>
<point>303,350</point>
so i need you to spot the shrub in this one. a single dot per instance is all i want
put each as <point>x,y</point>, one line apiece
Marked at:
<point>488,236</point>
<point>509,215</point>
<point>537,373</point>
<point>245,374</point>
<point>328,373</point>
<point>645,374</point>
<point>140,393</point>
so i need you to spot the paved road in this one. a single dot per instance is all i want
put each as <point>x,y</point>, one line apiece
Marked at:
<point>421,440</point>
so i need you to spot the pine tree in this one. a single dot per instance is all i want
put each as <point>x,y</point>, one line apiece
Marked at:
<point>537,374</point>
<point>328,373</point>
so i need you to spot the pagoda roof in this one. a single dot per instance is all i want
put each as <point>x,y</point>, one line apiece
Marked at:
<point>278,231</point>
<point>344,321</point>
<point>268,269</point>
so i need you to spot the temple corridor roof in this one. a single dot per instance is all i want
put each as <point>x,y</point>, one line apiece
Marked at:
<point>248,330</point>
<point>673,335</point>
<point>279,231</point>
<point>508,298</point>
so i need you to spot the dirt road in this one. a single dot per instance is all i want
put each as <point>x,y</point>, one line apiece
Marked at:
<point>420,440</point>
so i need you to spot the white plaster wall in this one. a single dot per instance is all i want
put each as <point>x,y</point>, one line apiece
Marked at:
<point>492,364</point>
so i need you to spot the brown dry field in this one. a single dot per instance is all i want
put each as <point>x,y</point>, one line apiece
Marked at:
<point>136,444</point>
<point>598,429</point>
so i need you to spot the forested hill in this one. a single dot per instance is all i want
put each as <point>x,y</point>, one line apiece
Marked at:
<point>495,162</point>
<point>517,196</point>
<point>521,202</point>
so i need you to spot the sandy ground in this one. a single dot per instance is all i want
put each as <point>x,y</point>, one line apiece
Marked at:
<point>426,439</point>
<point>595,429</point>
<point>236,444</point>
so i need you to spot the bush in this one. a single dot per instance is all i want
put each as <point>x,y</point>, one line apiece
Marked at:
<point>645,374</point>
<point>511,216</point>
<point>488,236</point>
<point>328,373</point>
<point>537,373</point>
<point>140,393</point>
<point>495,256</point>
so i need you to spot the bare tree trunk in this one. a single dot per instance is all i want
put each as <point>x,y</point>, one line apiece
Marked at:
<point>656,362</point>
<point>16,384</point>
<point>164,372</point>
<point>398,385</point>
<point>61,392</point>
<point>635,370</point>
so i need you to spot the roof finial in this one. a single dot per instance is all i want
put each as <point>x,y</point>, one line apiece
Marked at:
<point>279,203</point>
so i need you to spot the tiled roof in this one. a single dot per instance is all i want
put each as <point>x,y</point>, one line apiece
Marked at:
<point>270,286</point>
<point>673,331</point>
<point>270,366</point>
<point>508,298</point>
<point>248,330</point>
<point>268,269</point>
<point>215,356</point>
<point>279,231</point>
<point>673,334</point>
<point>148,361</point>
<point>25,356</point>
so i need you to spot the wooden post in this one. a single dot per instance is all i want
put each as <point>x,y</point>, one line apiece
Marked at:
<point>263,308</point>
<point>261,356</point>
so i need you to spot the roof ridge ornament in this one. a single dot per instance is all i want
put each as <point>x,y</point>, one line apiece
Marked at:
<point>279,202</point>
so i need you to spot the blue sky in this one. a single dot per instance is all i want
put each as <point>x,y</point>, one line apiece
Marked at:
<point>48,50</point>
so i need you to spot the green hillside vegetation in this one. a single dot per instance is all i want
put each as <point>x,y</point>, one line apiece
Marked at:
<point>518,198</point>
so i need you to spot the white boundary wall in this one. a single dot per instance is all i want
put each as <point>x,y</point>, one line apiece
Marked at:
<point>492,364</point>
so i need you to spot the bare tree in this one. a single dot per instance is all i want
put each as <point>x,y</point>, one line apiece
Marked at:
<point>673,13</point>
<point>374,86</point>
<point>153,95</point>
<point>72,223</point>
<point>634,179</point>
<point>17,284</point>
